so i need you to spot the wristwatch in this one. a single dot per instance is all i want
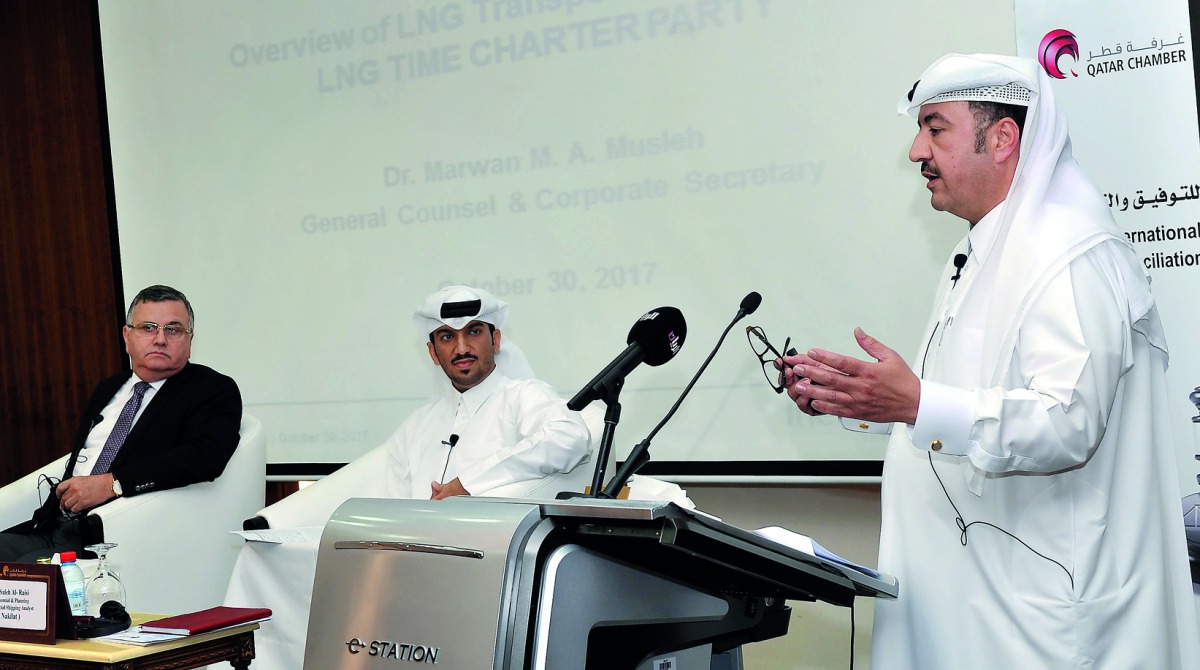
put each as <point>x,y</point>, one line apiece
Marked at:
<point>117,488</point>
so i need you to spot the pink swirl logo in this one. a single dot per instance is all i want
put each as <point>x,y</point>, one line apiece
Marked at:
<point>1055,45</point>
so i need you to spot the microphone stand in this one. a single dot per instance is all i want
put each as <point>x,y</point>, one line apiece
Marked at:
<point>609,392</point>
<point>641,453</point>
<point>611,416</point>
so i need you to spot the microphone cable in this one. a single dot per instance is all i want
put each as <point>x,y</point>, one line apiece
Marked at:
<point>963,526</point>
<point>852,632</point>
<point>450,443</point>
<point>960,261</point>
<point>959,521</point>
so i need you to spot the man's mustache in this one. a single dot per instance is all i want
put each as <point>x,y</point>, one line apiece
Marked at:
<point>463,357</point>
<point>927,169</point>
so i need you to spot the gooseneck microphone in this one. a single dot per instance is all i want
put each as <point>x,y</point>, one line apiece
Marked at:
<point>960,260</point>
<point>641,453</point>
<point>654,339</point>
<point>749,304</point>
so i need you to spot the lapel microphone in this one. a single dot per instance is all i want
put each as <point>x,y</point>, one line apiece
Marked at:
<point>449,443</point>
<point>959,261</point>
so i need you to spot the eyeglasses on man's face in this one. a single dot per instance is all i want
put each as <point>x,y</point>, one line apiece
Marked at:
<point>148,329</point>
<point>768,354</point>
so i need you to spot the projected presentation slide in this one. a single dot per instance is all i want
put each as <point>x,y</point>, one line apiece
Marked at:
<point>308,171</point>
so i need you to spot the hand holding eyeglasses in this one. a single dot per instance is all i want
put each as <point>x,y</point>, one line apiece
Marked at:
<point>824,382</point>
<point>775,365</point>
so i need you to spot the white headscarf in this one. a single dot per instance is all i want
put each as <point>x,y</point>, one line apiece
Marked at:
<point>1052,214</point>
<point>456,306</point>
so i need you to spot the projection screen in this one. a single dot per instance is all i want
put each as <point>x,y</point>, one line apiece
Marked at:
<point>306,172</point>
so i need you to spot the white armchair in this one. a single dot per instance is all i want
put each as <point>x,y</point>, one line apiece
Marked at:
<point>165,534</point>
<point>280,575</point>
<point>20,498</point>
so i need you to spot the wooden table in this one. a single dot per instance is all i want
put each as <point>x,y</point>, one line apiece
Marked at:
<point>234,645</point>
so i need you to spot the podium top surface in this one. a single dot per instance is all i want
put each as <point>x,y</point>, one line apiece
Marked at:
<point>797,573</point>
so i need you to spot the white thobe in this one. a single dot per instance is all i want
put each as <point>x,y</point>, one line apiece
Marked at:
<point>1071,453</point>
<point>508,431</point>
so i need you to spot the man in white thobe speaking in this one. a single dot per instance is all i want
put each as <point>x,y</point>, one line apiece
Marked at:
<point>1030,488</point>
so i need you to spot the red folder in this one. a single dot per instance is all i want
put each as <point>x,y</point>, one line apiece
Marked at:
<point>211,619</point>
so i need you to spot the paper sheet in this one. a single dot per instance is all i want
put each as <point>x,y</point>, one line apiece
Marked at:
<point>809,546</point>
<point>282,535</point>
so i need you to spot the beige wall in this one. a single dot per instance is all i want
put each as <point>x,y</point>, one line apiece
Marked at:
<point>843,519</point>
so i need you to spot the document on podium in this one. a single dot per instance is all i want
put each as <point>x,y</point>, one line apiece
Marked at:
<point>282,535</point>
<point>136,637</point>
<point>809,546</point>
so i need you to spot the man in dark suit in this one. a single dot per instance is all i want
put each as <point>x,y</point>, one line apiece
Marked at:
<point>167,424</point>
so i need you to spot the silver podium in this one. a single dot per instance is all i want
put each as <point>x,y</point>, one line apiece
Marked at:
<point>471,583</point>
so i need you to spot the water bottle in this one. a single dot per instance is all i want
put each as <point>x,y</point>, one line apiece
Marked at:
<point>73,579</point>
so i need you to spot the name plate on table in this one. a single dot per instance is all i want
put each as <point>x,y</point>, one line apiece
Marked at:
<point>33,604</point>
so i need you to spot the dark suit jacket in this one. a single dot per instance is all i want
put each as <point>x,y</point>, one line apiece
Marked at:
<point>186,434</point>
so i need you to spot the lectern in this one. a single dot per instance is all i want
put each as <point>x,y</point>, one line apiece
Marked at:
<point>470,583</point>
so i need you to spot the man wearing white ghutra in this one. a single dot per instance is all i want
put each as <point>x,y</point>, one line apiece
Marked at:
<point>1030,489</point>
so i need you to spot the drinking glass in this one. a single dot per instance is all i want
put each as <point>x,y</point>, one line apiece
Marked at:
<point>105,585</point>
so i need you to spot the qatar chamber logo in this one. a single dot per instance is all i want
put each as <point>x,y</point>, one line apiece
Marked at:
<point>1055,45</point>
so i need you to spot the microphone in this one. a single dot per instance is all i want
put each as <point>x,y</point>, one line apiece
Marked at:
<point>641,453</point>
<point>959,261</point>
<point>449,443</point>
<point>96,422</point>
<point>749,304</point>
<point>654,339</point>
